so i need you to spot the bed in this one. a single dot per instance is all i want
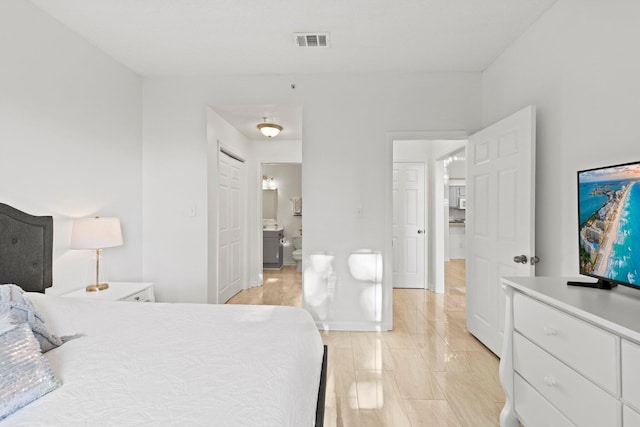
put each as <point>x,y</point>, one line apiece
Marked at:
<point>161,363</point>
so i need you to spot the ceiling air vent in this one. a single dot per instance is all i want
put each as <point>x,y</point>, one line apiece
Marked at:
<point>311,39</point>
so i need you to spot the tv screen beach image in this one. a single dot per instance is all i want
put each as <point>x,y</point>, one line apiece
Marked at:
<point>609,215</point>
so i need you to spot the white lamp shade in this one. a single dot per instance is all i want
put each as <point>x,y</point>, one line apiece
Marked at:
<point>96,233</point>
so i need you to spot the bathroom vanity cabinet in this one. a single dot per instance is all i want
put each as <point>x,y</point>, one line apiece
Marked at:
<point>272,248</point>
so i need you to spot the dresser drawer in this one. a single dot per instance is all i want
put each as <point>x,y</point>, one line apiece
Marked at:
<point>589,350</point>
<point>581,401</point>
<point>533,409</point>
<point>142,296</point>
<point>630,373</point>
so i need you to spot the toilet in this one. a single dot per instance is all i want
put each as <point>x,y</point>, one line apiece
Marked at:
<point>297,253</point>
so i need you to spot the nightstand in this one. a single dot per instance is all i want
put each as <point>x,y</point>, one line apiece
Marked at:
<point>119,291</point>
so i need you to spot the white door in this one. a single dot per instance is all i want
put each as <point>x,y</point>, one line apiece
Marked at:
<point>499,219</point>
<point>230,215</point>
<point>408,225</point>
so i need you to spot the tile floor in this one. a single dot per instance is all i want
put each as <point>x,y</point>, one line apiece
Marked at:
<point>428,371</point>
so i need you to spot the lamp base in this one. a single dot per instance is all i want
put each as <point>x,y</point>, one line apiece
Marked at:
<point>97,287</point>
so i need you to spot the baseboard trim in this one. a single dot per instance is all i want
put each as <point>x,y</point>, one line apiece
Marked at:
<point>354,326</point>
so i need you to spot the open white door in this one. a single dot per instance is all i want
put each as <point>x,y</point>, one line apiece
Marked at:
<point>408,225</point>
<point>500,219</point>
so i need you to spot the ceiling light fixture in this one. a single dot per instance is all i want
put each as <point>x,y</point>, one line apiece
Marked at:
<point>269,129</point>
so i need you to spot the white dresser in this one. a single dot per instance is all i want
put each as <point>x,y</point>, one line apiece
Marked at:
<point>571,355</point>
<point>119,291</point>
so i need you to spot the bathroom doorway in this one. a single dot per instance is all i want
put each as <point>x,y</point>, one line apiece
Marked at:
<point>281,190</point>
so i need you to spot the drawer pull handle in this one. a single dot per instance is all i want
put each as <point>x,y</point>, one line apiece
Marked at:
<point>550,381</point>
<point>548,330</point>
<point>137,298</point>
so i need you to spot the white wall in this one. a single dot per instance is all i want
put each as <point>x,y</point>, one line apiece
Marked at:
<point>578,65</point>
<point>288,178</point>
<point>70,147</point>
<point>457,169</point>
<point>344,153</point>
<point>70,142</point>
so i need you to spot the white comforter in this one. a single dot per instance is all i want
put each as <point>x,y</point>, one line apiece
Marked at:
<point>177,365</point>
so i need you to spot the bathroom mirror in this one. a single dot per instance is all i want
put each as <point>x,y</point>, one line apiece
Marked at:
<point>270,204</point>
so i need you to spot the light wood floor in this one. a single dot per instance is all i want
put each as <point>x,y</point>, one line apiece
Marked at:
<point>428,371</point>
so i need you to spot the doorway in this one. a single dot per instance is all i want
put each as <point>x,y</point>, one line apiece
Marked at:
<point>281,190</point>
<point>453,225</point>
<point>455,203</point>
<point>427,150</point>
<point>237,125</point>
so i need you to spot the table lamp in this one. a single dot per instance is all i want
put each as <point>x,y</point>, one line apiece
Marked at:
<point>96,233</point>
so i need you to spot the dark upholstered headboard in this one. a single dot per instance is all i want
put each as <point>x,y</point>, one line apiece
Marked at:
<point>26,246</point>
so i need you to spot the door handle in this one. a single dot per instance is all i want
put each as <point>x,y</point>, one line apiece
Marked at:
<point>534,260</point>
<point>420,231</point>
<point>521,259</point>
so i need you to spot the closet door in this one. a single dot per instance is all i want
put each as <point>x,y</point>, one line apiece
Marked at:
<point>230,220</point>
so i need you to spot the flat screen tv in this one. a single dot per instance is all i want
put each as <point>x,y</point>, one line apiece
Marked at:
<point>609,225</point>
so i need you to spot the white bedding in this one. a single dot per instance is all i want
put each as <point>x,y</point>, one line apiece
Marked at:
<point>177,364</point>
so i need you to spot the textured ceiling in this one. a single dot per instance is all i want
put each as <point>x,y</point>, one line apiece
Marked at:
<point>198,37</point>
